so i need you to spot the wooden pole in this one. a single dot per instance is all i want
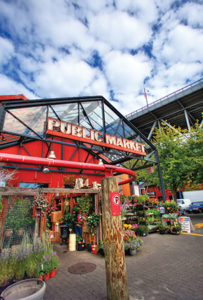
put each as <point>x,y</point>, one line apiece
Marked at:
<point>36,230</point>
<point>116,275</point>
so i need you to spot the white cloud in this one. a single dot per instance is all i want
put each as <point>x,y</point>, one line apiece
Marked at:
<point>67,77</point>
<point>125,72</point>
<point>11,87</point>
<point>98,86</point>
<point>145,11</point>
<point>192,13</point>
<point>119,30</point>
<point>7,50</point>
<point>179,45</point>
<point>53,42</point>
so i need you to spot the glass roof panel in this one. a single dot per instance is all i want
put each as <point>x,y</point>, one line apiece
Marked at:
<point>85,113</point>
<point>66,112</point>
<point>91,115</point>
<point>26,121</point>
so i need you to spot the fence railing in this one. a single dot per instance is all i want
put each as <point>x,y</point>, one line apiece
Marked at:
<point>165,97</point>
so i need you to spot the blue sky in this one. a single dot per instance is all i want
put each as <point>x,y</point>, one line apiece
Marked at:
<point>114,48</point>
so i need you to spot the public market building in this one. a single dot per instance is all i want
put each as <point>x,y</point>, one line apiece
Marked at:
<point>62,148</point>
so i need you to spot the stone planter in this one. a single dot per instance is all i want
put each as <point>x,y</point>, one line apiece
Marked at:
<point>133,252</point>
<point>29,289</point>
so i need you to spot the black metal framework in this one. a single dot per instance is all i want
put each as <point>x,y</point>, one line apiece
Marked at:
<point>26,121</point>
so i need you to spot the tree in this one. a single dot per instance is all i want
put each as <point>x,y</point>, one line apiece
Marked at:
<point>181,158</point>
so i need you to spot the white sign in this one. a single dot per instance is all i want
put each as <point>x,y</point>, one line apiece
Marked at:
<point>185,223</point>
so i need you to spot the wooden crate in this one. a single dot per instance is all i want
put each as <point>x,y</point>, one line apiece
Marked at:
<point>56,216</point>
<point>89,238</point>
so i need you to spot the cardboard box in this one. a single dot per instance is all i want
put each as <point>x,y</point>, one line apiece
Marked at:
<point>56,216</point>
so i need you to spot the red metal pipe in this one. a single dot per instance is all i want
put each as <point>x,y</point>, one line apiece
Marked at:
<point>107,169</point>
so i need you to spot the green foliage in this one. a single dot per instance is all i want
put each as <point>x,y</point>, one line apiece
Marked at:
<point>154,211</point>
<point>84,204</point>
<point>177,227</point>
<point>54,262</point>
<point>93,222</point>
<point>19,215</point>
<point>27,259</point>
<point>68,219</point>
<point>141,230</point>
<point>78,239</point>
<point>180,153</point>
<point>142,199</point>
<point>7,263</point>
<point>170,207</point>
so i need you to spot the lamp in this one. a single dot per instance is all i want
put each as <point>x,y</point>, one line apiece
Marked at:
<point>45,170</point>
<point>100,162</point>
<point>52,154</point>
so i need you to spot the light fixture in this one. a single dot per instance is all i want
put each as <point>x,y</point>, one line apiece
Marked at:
<point>45,170</point>
<point>100,162</point>
<point>52,154</point>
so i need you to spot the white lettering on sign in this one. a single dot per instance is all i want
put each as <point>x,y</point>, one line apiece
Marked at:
<point>94,136</point>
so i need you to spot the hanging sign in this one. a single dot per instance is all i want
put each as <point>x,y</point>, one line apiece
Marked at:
<point>115,204</point>
<point>91,136</point>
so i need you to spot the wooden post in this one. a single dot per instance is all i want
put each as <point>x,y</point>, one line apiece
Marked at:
<point>116,275</point>
<point>36,230</point>
<point>3,219</point>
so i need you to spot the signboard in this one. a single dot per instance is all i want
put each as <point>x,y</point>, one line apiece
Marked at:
<point>115,204</point>
<point>82,134</point>
<point>185,223</point>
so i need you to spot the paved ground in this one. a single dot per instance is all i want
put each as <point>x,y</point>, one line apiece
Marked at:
<point>168,267</point>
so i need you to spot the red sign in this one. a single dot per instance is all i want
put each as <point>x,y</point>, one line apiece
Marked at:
<point>115,204</point>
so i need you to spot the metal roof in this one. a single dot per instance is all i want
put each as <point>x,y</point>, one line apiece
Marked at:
<point>181,108</point>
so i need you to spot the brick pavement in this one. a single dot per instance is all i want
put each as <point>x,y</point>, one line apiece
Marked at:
<point>168,267</point>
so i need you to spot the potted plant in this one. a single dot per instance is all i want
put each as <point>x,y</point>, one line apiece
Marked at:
<point>100,248</point>
<point>69,181</point>
<point>141,230</point>
<point>129,238</point>
<point>92,223</point>
<point>80,244</point>
<point>176,229</point>
<point>162,228</point>
<point>39,273</point>
<point>54,262</point>
<point>134,245</point>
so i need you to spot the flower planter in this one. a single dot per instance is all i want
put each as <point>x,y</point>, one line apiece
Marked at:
<point>94,249</point>
<point>52,273</point>
<point>46,277</point>
<point>41,277</point>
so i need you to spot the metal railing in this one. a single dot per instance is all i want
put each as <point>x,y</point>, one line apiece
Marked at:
<point>165,97</point>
